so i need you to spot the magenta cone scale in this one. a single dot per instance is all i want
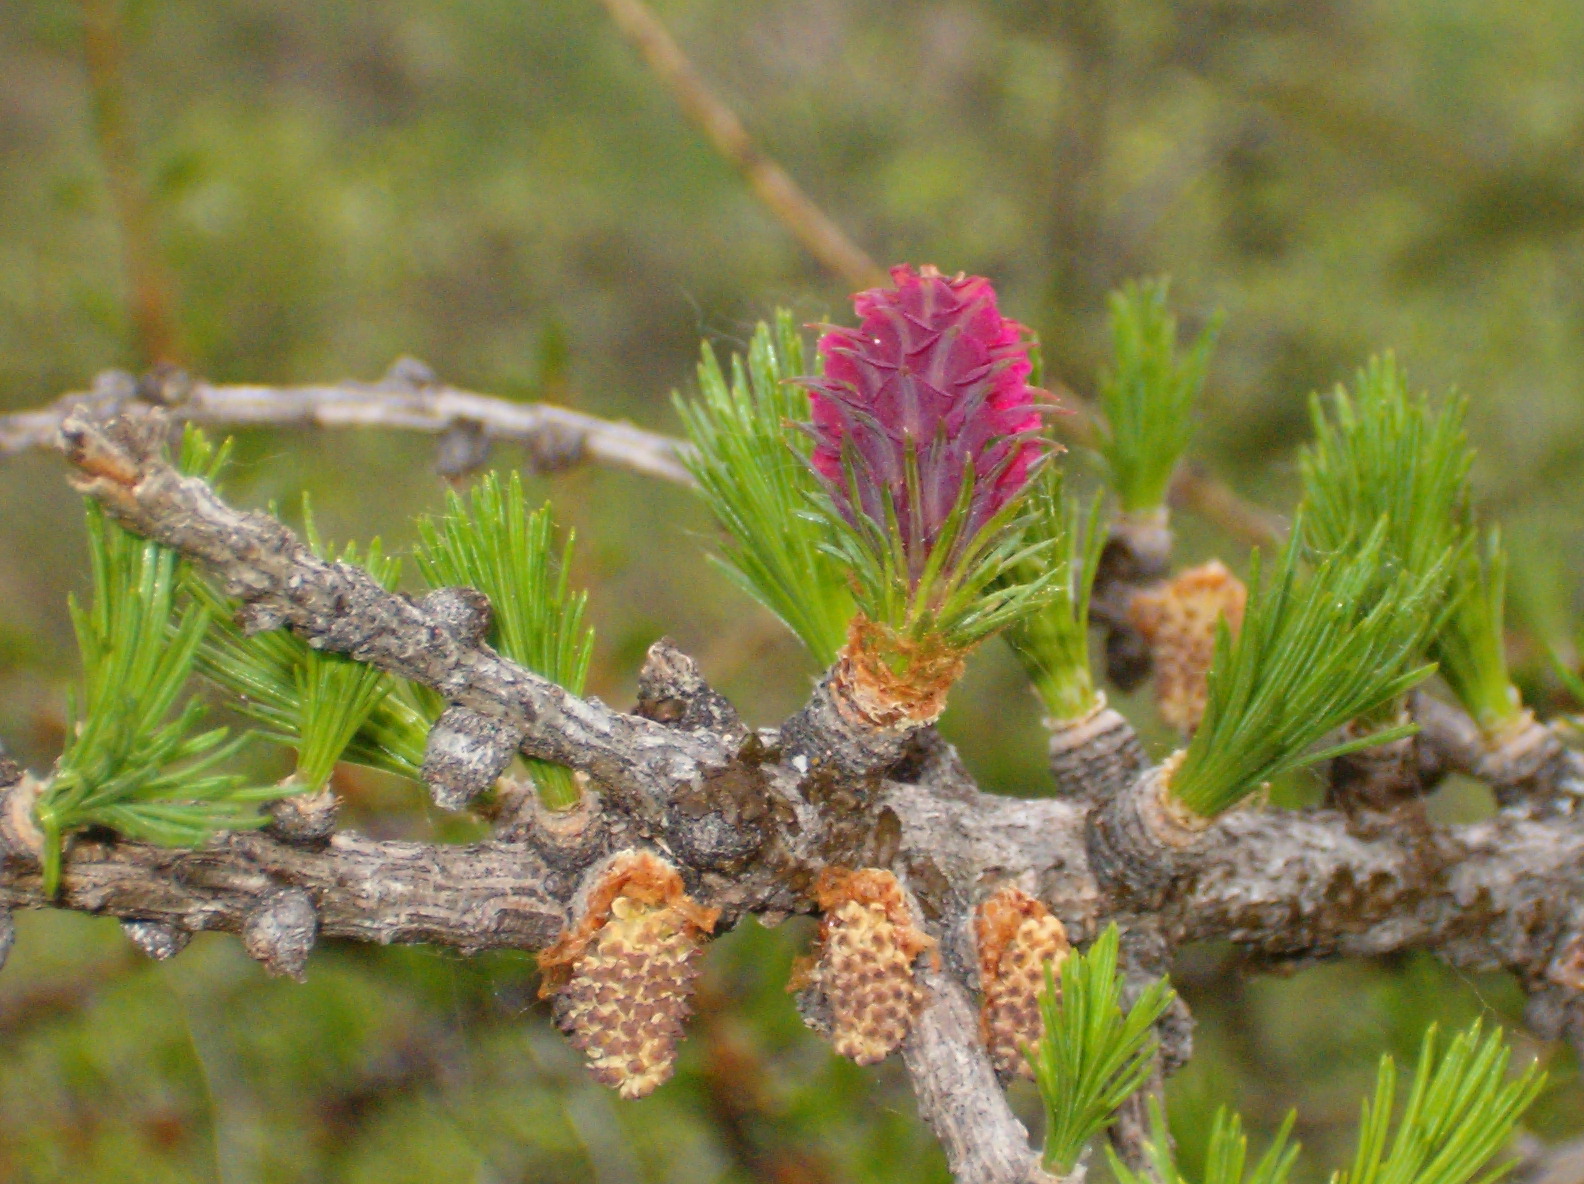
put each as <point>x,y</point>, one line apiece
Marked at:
<point>936,372</point>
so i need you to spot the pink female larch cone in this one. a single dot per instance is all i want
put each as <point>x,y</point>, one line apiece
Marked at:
<point>925,429</point>
<point>935,369</point>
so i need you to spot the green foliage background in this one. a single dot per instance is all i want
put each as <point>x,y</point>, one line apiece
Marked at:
<point>500,188</point>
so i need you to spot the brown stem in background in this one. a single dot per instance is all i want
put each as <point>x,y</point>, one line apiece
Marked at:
<point>1192,487</point>
<point>1195,490</point>
<point>809,224</point>
<point>150,290</point>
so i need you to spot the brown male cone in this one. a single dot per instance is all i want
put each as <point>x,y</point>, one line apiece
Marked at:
<point>1017,936</point>
<point>622,978</point>
<point>867,946</point>
<point>1178,620</point>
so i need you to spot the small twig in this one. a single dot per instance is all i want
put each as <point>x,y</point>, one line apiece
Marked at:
<point>148,280</point>
<point>1195,490</point>
<point>809,224</point>
<point>342,609</point>
<point>553,435</point>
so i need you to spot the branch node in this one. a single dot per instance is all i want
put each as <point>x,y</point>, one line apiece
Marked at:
<point>672,691</point>
<point>1141,842</point>
<point>568,839</point>
<point>259,616</point>
<point>165,385</point>
<point>409,374</point>
<point>1096,756</point>
<point>20,837</point>
<point>828,734</point>
<point>464,755</point>
<point>1522,761</point>
<point>109,454</point>
<point>279,932</point>
<point>306,819</point>
<point>1380,778</point>
<point>1137,553</point>
<point>157,939</point>
<point>464,613</point>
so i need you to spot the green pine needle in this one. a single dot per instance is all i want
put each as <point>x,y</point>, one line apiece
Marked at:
<point>489,541</point>
<point>1380,454</point>
<point>1093,1056</point>
<point>135,761</point>
<point>1573,683</point>
<point>1053,641</point>
<point>268,674</point>
<point>327,706</point>
<point>1226,1154</point>
<point>1148,393</point>
<point>752,471</point>
<point>1471,647</point>
<point>1314,652</point>
<point>1461,1111</point>
<point>968,589</point>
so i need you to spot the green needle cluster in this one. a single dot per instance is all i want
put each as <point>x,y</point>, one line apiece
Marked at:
<point>1093,1055</point>
<point>1379,454</point>
<point>1316,650</point>
<point>1148,393</point>
<point>1226,1154</point>
<point>327,706</point>
<point>1053,641</point>
<point>969,588</point>
<point>1461,1112</point>
<point>490,541</point>
<point>136,760</point>
<point>753,473</point>
<point>1471,647</point>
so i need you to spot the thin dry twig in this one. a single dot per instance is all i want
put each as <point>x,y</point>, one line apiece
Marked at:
<point>554,436</point>
<point>150,287</point>
<point>408,398</point>
<point>795,210</point>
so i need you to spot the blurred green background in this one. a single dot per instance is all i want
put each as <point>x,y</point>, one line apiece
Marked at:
<point>501,189</point>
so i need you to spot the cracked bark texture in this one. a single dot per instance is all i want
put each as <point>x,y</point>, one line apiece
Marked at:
<point>751,818</point>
